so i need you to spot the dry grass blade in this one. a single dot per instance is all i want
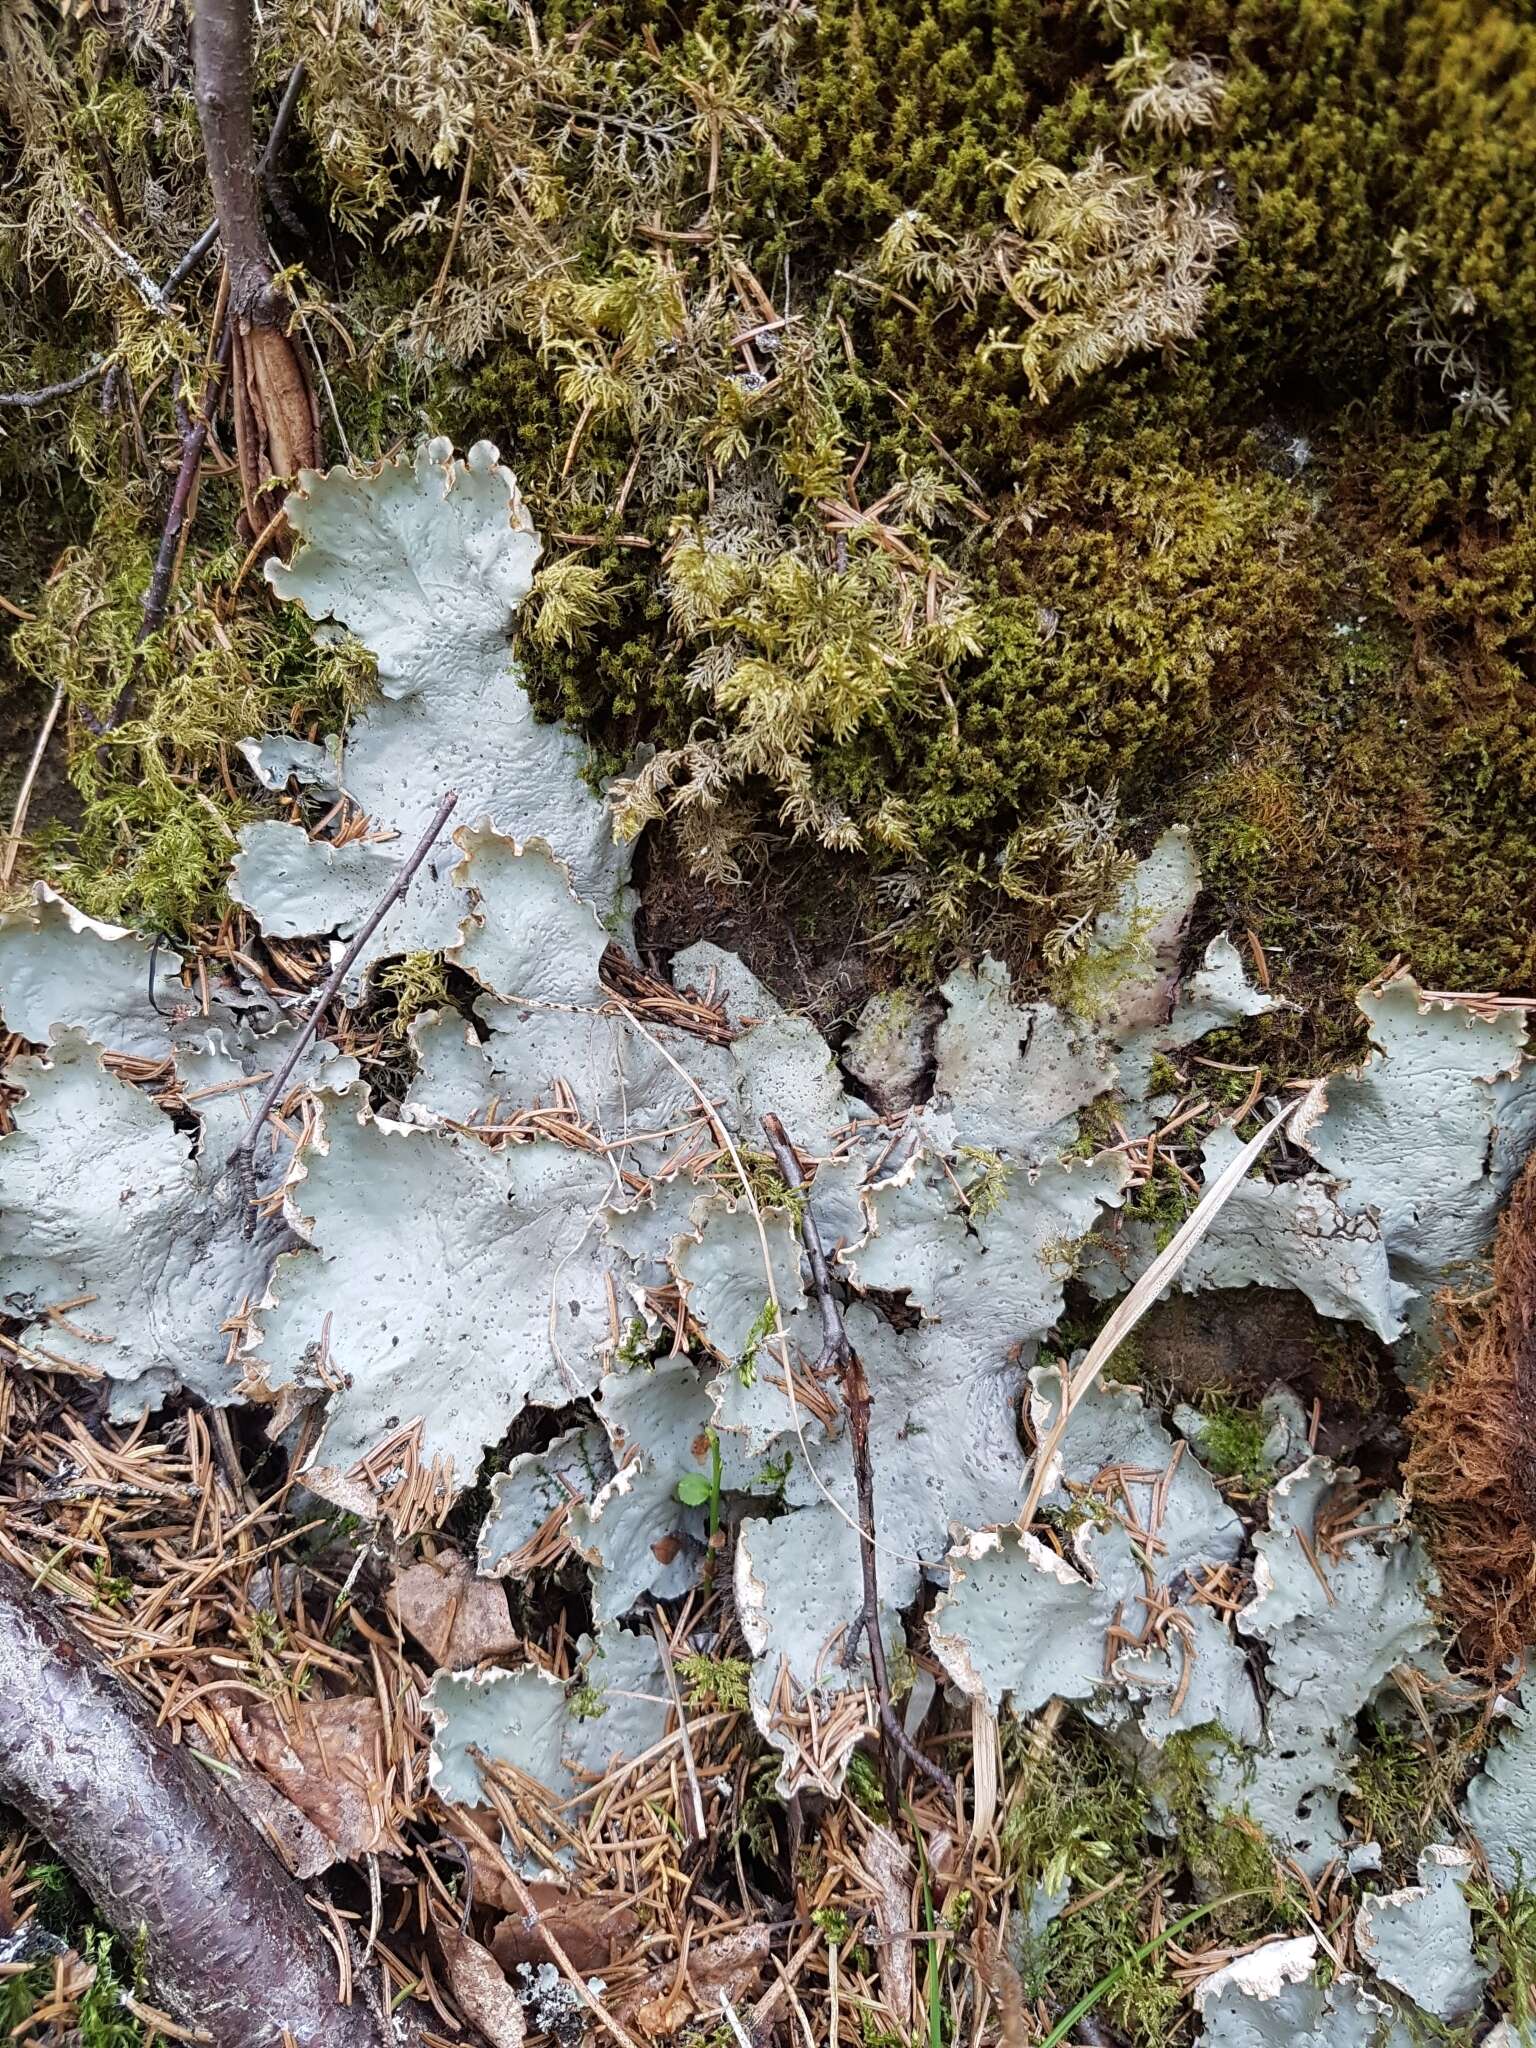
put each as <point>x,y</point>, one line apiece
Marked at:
<point>24,794</point>
<point>1140,1297</point>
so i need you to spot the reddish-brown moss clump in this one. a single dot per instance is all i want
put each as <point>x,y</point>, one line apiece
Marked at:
<point>1472,1463</point>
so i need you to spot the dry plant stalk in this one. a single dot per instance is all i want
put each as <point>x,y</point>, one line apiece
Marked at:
<point>1472,1459</point>
<point>1129,1311</point>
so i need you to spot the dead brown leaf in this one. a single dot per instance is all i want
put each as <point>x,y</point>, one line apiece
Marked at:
<point>665,2001</point>
<point>480,1990</point>
<point>592,1931</point>
<point>458,1618</point>
<point>304,1848</point>
<point>327,1762</point>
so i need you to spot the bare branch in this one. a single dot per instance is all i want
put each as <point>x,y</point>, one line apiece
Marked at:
<point>25,400</point>
<point>229,1943</point>
<point>242,1156</point>
<point>208,240</point>
<point>839,1356</point>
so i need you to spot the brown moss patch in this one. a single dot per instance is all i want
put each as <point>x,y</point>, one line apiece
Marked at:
<point>1472,1459</point>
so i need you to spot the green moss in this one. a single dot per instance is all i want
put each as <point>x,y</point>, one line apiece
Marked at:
<point>1505,1931</point>
<point>1231,1443</point>
<point>162,793</point>
<point>716,1681</point>
<point>409,985</point>
<point>1076,1813</point>
<point>63,1909</point>
<point>985,1179</point>
<point>637,1349</point>
<point>863,1786</point>
<point>1096,1125</point>
<point>1161,1201</point>
<point>769,1189</point>
<point>102,2020</point>
<point>1163,1077</point>
<point>1227,1853</point>
<point>1404,1786</point>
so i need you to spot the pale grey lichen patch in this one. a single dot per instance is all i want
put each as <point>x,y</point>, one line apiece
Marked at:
<point>918,1244</point>
<point>1500,1802</point>
<point>445,1287</point>
<point>721,1268</point>
<point>426,560</point>
<point>63,971</point>
<point>537,1491</point>
<point>1153,1522</point>
<point>1284,1444</point>
<point>1420,1941</point>
<point>563,1736</point>
<point>944,1438</point>
<point>298,887</point>
<point>1195,1677</point>
<point>122,1250</point>
<point>1214,998</point>
<point>1217,995</point>
<point>993,1273</point>
<point>516,1716</point>
<point>1271,1998</point>
<point>636,1532</point>
<point>780,1065</point>
<point>1111,1431</point>
<point>1294,1234</point>
<point>529,939</point>
<point>1337,1619</point>
<point>222,1074</point>
<point>1128,973</point>
<point>1019,1625</point>
<point>1013,1076</point>
<point>799,1596</point>
<point>889,1049</point>
<point>1426,1134</point>
<point>1417,1148</point>
<point>277,758</point>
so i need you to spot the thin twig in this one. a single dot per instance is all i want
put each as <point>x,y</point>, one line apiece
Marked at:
<point>441,284</point>
<point>242,1158</point>
<point>158,596</point>
<point>888,291</point>
<point>208,239</point>
<point>24,795</point>
<point>20,400</point>
<point>839,1356</point>
<point>129,264</point>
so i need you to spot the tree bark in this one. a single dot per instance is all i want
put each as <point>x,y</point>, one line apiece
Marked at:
<point>277,423</point>
<point>229,1943</point>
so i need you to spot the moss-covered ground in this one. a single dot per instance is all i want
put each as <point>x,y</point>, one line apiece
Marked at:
<point>1265,564</point>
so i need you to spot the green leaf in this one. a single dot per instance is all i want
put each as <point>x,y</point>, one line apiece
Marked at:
<point>694,1490</point>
